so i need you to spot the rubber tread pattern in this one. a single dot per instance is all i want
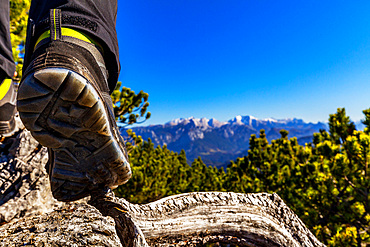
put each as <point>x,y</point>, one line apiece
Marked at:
<point>64,112</point>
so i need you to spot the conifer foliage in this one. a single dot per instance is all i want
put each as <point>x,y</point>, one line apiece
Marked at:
<point>159,172</point>
<point>129,107</point>
<point>18,27</point>
<point>326,182</point>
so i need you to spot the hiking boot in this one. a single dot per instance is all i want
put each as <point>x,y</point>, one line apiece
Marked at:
<point>7,107</point>
<point>63,99</point>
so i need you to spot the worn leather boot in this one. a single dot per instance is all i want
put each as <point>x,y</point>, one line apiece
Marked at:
<point>63,99</point>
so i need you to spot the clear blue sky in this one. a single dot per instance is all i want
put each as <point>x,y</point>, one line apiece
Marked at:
<point>219,58</point>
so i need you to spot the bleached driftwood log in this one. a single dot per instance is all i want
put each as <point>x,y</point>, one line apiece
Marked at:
<point>29,214</point>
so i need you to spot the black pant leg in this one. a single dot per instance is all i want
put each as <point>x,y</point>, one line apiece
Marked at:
<point>6,56</point>
<point>95,18</point>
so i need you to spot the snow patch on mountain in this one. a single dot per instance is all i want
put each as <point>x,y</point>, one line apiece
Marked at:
<point>237,120</point>
<point>202,123</point>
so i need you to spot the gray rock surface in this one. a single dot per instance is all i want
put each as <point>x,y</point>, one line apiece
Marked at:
<point>24,184</point>
<point>74,224</point>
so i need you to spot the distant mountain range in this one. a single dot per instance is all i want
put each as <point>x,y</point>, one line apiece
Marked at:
<point>219,142</point>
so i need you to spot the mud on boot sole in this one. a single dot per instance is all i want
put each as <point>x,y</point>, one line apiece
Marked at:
<point>64,112</point>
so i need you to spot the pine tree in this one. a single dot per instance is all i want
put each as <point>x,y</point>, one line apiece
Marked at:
<point>18,27</point>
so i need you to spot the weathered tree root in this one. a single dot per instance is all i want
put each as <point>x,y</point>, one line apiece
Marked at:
<point>29,214</point>
<point>200,217</point>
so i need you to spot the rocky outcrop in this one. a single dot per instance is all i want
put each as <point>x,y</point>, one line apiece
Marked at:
<point>30,216</point>
<point>74,224</point>
<point>24,185</point>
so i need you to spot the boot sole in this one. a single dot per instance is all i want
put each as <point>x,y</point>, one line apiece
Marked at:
<point>64,112</point>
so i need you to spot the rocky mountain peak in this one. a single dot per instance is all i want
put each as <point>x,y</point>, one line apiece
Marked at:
<point>219,142</point>
<point>236,120</point>
<point>215,123</point>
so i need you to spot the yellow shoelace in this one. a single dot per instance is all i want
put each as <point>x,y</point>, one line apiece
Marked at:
<point>4,87</point>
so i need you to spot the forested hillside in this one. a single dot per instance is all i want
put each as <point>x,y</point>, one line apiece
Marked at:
<point>325,182</point>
